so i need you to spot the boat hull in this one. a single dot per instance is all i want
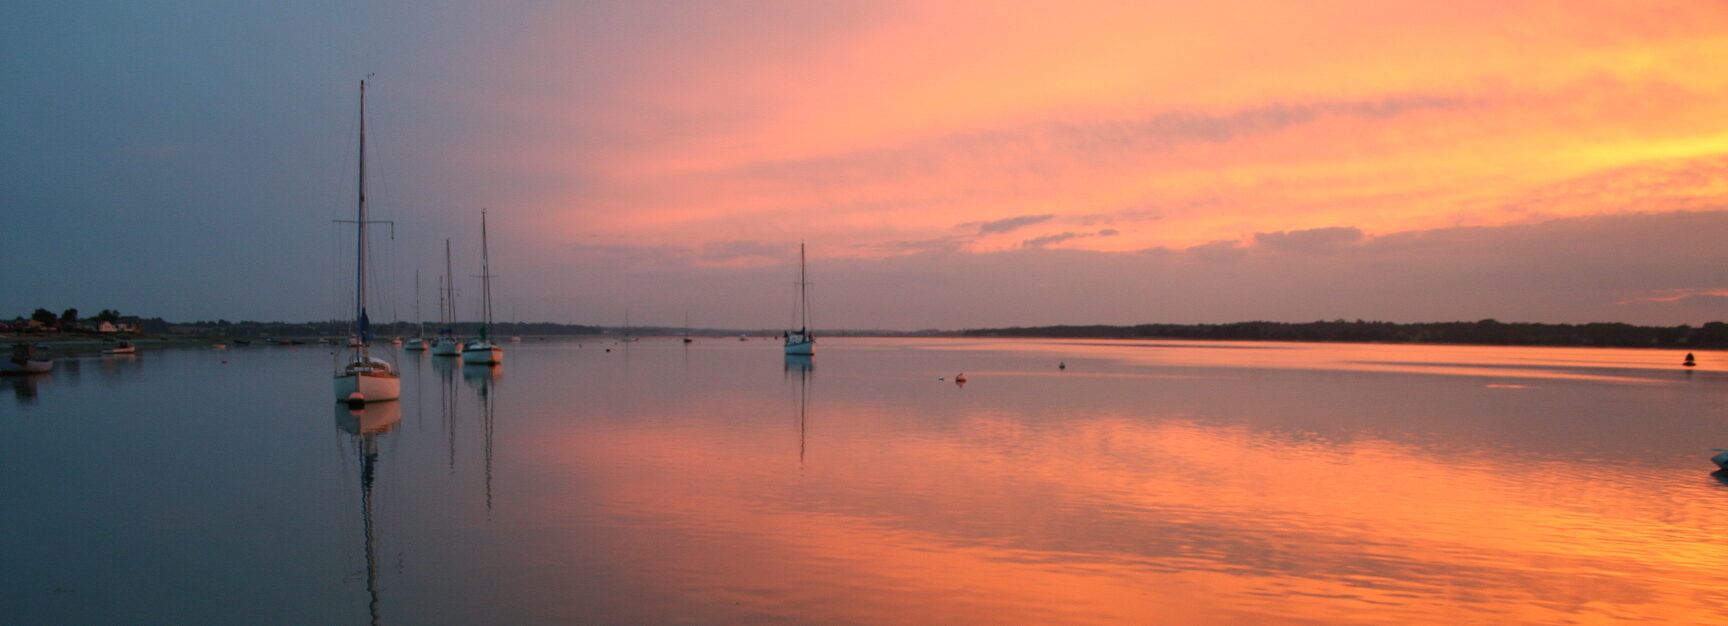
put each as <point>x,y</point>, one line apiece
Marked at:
<point>414,344</point>
<point>801,347</point>
<point>32,366</point>
<point>446,348</point>
<point>371,387</point>
<point>483,355</point>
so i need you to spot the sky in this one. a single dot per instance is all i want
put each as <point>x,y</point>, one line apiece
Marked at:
<point>948,164</point>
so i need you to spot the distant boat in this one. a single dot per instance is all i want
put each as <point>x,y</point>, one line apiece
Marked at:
<point>801,342</point>
<point>687,338</point>
<point>418,343</point>
<point>125,347</point>
<point>27,358</point>
<point>446,343</point>
<point>1721,458</point>
<point>515,340</point>
<point>482,351</point>
<point>365,378</point>
<point>218,346</point>
<point>1690,362</point>
<point>242,342</point>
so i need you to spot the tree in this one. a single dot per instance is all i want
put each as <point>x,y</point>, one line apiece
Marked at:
<point>108,315</point>
<point>68,317</point>
<point>43,315</point>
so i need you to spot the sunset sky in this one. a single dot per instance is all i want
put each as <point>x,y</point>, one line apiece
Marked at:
<point>949,164</point>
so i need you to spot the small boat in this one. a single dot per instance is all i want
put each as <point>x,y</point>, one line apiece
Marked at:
<point>1690,362</point>
<point>416,344</point>
<point>395,341</point>
<point>515,340</point>
<point>800,342</point>
<point>125,347</point>
<point>27,358</point>
<point>242,342</point>
<point>1721,458</point>
<point>482,351</point>
<point>218,346</point>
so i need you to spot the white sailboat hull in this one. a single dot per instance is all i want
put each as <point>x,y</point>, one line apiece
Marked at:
<point>372,387</point>
<point>446,347</point>
<point>801,346</point>
<point>415,344</point>
<point>482,354</point>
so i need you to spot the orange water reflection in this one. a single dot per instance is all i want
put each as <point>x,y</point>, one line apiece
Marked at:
<point>1601,364</point>
<point>1124,515</point>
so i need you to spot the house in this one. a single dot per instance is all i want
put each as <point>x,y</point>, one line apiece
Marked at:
<point>107,327</point>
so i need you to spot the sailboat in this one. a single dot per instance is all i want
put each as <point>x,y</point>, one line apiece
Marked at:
<point>482,351</point>
<point>446,343</point>
<point>418,343</point>
<point>801,342</point>
<point>365,378</point>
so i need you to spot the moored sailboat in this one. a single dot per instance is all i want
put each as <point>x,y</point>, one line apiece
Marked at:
<point>801,342</point>
<point>418,342</point>
<point>365,378</point>
<point>446,343</point>
<point>482,351</point>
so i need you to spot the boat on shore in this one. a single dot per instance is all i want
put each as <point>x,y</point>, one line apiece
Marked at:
<point>125,347</point>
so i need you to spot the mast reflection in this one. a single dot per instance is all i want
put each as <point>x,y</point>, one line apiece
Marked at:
<point>803,366</point>
<point>446,369</point>
<point>485,378</point>
<point>365,425</point>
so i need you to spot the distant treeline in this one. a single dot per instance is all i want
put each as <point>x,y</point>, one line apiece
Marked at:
<point>1713,335</point>
<point>339,328</point>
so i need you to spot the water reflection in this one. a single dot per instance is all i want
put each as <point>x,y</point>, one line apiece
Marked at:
<point>801,367</point>
<point>25,387</point>
<point>484,379</point>
<point>365,426</point>
<point>1191,484</point>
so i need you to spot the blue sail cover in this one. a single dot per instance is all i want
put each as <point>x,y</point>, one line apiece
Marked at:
<point>364,325</point>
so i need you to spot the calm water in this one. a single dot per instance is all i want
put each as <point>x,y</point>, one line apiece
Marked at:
<point>1161,482</point>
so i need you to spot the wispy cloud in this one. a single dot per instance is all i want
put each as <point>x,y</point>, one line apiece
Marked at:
<point>1310,240</point>
<point>1004,225</point>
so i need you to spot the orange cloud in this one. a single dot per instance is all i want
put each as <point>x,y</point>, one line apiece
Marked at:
<point>856,126</point>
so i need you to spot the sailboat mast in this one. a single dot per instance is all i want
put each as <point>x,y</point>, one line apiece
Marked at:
<point>485,279</point>
<point>449,288</point>
<point>803,294</point>
<point>360,259</point>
